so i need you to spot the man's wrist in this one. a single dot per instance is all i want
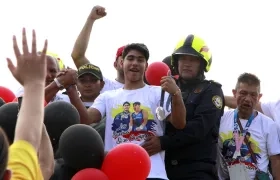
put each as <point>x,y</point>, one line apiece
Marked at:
<point>34,84</point>
<point>58,84</point>
<point>90,20</point>
<point>53,86</point>
<point>72,91</point>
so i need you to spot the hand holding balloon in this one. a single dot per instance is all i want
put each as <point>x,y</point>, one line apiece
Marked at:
<point>168,84</point>
<point>154,74</point>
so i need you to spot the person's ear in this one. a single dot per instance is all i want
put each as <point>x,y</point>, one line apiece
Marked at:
<point>234,93</point>
<point>121,63</point>
<point>260,96</point>
<point>147,64</point>
<point>115,64</point>
<point>102,83</point>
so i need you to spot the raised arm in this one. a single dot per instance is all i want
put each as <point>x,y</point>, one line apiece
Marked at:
<point>31,71</point>
<point>178,112</point>
<point>81,44</point>
<point>90,115</point>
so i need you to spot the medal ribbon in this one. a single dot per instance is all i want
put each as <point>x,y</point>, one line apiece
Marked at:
<point>239,139</point>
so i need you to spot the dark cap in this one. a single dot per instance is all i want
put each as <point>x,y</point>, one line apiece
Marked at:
<point>90,69</point>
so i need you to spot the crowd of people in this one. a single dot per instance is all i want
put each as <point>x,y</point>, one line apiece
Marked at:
<point>63,121</point>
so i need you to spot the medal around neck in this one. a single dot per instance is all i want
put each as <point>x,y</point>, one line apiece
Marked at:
<point>160,113</point>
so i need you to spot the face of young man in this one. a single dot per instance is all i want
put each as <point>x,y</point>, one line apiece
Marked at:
<point>134,66</point>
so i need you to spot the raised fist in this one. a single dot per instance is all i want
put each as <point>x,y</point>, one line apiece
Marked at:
<point>97,12</point>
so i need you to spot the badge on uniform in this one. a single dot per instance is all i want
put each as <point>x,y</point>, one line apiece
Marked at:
<point>197,90</point>
<point>217,101</point>
<point>238,172</point>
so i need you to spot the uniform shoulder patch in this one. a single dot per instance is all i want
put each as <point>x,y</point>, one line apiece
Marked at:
<point>217,101</point>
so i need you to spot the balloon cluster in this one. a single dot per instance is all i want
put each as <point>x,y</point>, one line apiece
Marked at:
<point>126,161</point>
<point>80,146</point>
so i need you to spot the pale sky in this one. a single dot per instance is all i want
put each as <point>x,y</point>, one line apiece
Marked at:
<point>243,35</point>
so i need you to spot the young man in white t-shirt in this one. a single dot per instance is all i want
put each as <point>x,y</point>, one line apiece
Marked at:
<point>131,111</point>
<point>260,133</point>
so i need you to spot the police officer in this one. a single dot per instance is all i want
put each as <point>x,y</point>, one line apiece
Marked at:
<point>190,154</point>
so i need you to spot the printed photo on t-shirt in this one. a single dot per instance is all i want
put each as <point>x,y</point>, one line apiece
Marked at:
<point>133,122</point>
<point>229,147</point>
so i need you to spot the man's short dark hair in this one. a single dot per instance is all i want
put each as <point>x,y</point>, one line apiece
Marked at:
<point>4,149</point>
<point>126,103</point>
<point>136,103</point>
<point>142,48</point>
<point>249,79</point>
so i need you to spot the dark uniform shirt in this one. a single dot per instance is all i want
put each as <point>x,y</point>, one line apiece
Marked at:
<point>191,152</point>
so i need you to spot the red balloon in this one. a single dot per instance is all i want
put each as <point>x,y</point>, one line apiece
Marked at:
<point>126,162</point>
<point>90,174</point>
<point>6,94</point>
<point>155,72</point>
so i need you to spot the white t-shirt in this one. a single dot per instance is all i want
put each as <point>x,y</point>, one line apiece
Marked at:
<point>263,137</point>
<point>272,110</point>
<point>118,106</point>
<point>111,85</point>
<point>58,97</point>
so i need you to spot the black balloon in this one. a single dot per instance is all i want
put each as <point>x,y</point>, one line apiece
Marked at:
<point>62,171</point>
<point>8,119</point>
<point>59,116</point>
<point>81,147</point>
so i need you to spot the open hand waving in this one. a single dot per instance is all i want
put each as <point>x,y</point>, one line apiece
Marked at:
<point>31,67</point>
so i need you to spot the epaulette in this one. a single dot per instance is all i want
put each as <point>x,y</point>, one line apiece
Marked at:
<point>216,83</point>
